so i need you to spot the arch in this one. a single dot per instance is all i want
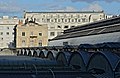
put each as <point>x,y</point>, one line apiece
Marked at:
<point>50,55</point>
<point>63,57</point>
<point>35,54</point>
<point>30,53</point>
<point>25,53</point>
<point>38,51</point>
<point>45,51</point>
<point>79,60</point>
<point>102,64</point>
<point>21,53</point>
<point>117,70</point>
<point>41,54</point>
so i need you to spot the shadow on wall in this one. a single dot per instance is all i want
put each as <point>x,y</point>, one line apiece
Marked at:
<point>11,45</point>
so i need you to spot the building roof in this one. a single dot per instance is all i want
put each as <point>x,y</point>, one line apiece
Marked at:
<point>67,12</point>
<point>112,58</point>
<point>82,31</point>
<point>108,45</point>
<point>85,56</point>
<point>16,60</point>
<point>101,23</point>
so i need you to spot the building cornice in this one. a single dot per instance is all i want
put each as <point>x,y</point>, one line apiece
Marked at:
<point>67,12</point>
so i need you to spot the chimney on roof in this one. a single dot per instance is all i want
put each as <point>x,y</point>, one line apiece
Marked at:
<point>20,22</point>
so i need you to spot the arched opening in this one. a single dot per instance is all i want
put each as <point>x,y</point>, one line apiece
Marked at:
<point>41,54</point>
<point>50,55</point>
<point>30,53</point>
<point>99,65</point>
<point>63,57</point>
<point>35,54</point>
<point>117,70</point>
<point>79,60</point>
<point>25,53</point>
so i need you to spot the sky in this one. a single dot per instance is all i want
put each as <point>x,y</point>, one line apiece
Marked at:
<point>17,7</point>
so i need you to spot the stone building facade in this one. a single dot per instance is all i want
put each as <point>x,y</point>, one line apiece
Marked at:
<point>6,31</point>
<point>31,34</point>
<point>59,21</point>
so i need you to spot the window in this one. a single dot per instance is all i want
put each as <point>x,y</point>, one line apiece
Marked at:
<point>65,43</point>
<point>1,38</point>
<point>12,33</point>
<point>40,34</point>
<point>58,20</point>
<point>76,20</point>
<point>52,33</point>
<point>83,20</point>
<point>52,20</point>
<point>7,33</point>
<point>69,19</point>
<point>23,43</point>
<point>72,20</point>
<point>31,43</point>
<point>48,20</point>
<point>79,20</point>
<point>43,15</point>
<point>71,16</point>
<point>1,33</point>
<point>72,26</point>
<point>23,33</point>
<point>58,26</point>
<point>40,43</point>
<point>65,20</point>
<point>55,20</point>
<point>66,26</point>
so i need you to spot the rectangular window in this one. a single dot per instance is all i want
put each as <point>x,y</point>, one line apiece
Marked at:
<point>48,20</point>
<point>83,20</point>
<point>1,38</point>
<point>66,26</point>
<point>59,26</point>
<point>52,33</point>
<point>40,34</point>
<point>1,33</point>
<point>65,43</point>
<point>23,33</point>
<point>7,33</point>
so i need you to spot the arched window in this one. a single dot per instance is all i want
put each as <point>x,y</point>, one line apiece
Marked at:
<point>23,43</point>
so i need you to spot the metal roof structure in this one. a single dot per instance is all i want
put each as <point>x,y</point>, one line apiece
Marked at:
<point>63,57</point>
<point>103,64</point>
<point>79,60</point>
